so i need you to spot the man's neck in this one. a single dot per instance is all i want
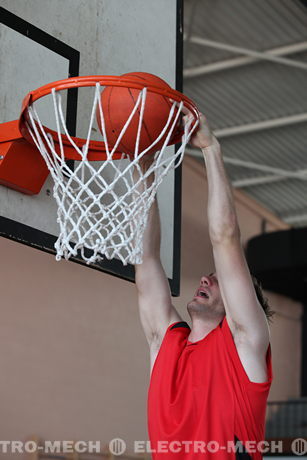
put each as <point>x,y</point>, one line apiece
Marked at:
<point>201,327</point>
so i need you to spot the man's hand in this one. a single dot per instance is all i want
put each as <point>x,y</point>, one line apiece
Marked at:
<point>203,136</point>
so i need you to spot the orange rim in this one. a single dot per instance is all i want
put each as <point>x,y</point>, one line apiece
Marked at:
<point>97,150</point>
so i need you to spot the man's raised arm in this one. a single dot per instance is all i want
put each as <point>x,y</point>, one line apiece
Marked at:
<point>154,296</point>
<point>244,313</point>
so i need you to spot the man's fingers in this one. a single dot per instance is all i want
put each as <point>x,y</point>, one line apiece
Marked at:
<point>189,115</point>
<point>203,119</point>
<point>186,111</point>
<point>187,121</point>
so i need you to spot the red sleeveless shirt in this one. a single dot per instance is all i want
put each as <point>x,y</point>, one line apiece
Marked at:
<point>201,403</point>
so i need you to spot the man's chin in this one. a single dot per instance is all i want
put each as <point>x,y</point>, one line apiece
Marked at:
<point>204,309</point>
<point>199,301</point>
<point>196,306</point>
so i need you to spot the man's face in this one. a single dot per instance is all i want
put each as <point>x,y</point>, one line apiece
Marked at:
<point>207,297</point>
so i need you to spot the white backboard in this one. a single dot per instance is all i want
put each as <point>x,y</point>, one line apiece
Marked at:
<point>47,41</point>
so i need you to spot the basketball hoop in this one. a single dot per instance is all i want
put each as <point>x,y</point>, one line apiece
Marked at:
<point>103,203</point>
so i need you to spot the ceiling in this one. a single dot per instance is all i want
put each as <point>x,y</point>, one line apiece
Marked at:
<point>245,66</point>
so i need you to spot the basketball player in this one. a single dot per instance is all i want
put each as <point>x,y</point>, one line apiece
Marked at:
<point>209,382</point>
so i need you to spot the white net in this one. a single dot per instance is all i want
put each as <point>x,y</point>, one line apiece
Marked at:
<point>103,206</point>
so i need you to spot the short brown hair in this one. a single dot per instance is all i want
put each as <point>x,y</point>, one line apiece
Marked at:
<point>262,299</point>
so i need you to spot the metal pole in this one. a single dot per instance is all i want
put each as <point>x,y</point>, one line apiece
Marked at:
<point>241,61</point>
<point>247,52</point>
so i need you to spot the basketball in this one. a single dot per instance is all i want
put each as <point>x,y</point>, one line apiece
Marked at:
<point>117,105</point>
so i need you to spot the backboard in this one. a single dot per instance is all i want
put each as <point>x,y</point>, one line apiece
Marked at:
<point>45,41</point>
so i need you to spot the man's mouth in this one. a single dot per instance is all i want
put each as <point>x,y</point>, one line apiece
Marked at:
<point>202,293</point>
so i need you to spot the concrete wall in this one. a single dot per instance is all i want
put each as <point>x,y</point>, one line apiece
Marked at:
<point>73,358</point>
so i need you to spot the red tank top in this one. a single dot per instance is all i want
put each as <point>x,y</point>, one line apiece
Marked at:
<point>201,403</point>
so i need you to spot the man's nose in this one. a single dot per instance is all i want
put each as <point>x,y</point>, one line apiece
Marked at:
<point>205,281</point>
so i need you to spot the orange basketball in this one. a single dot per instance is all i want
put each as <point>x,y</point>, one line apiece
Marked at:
<point>117,105</point>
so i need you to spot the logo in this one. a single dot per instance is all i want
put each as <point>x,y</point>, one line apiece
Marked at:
<point>299,446</point>
<point>117,446</point>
